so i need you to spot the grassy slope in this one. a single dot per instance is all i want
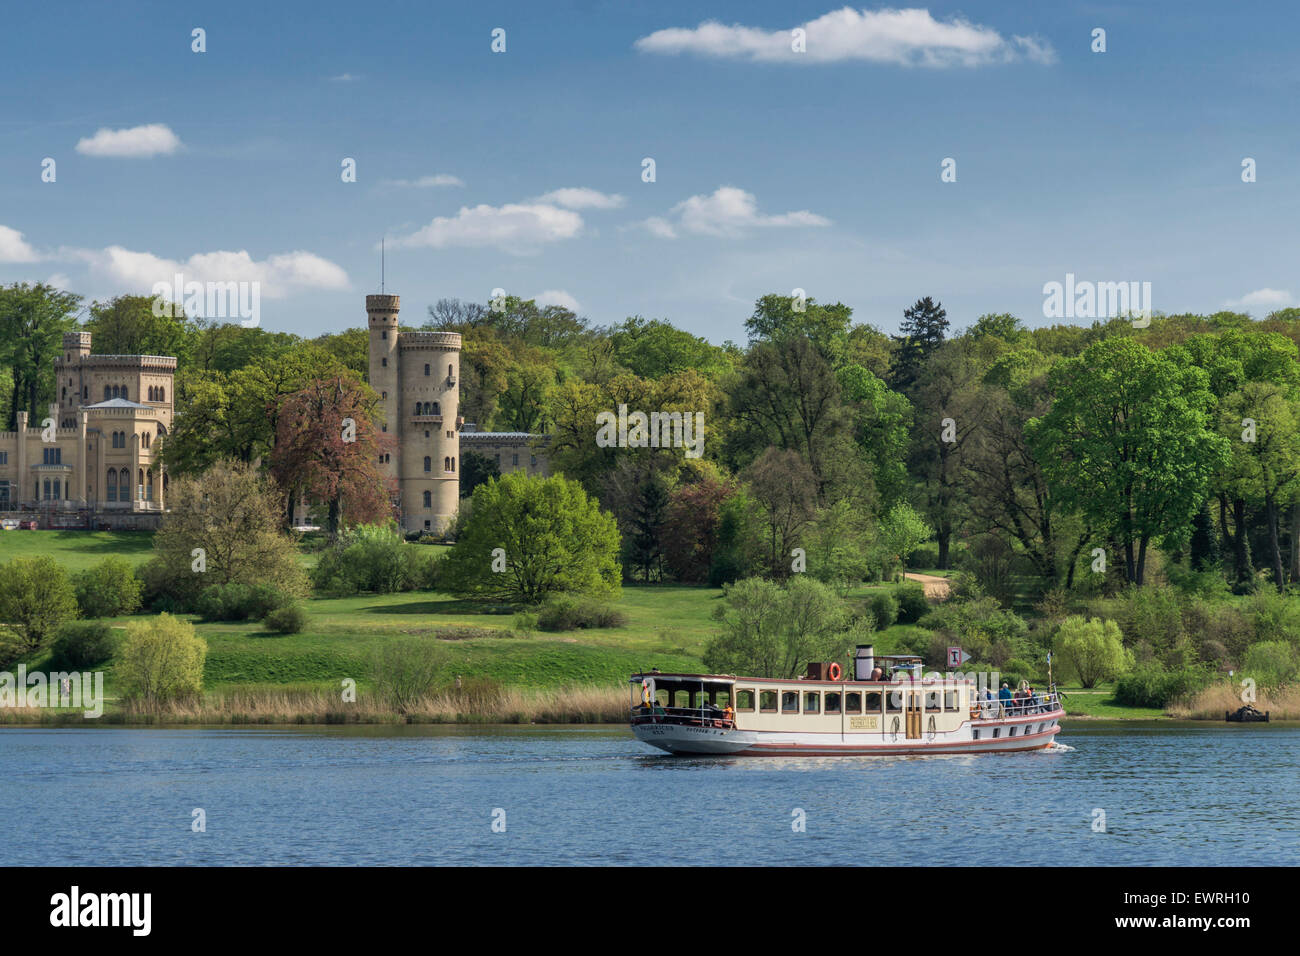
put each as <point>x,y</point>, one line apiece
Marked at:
<point>668,627</point>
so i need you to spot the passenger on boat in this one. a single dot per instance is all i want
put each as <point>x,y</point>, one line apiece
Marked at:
<point>729,714</point>
<point>877,673</point>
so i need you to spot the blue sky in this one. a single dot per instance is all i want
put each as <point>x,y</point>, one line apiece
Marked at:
<point>774,170</point>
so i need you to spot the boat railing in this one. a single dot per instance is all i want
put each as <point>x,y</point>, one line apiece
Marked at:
<point>681,716</point>
<point>997,708</point>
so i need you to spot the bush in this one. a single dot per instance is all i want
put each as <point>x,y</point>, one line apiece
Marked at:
<point>568,614</point>
<point>1153,685</point>
<point>1092,650</point>
<point>405,672</point>
<point>883,607</point>
<point>289,619</point>
<point>1271,663</point>
<point>912,603</point>
<point>374,558</point>
<point>80,645</point>
<point>239,602</point>
<point>35,598</point>
<point>109,589</point>
<point>161,660</point>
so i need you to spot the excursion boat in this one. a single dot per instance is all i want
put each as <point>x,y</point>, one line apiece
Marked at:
<point>898,713</point>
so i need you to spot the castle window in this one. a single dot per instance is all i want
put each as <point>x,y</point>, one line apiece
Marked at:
<point>148,487</point>
<point>426,433</point>
<point>446,464</point>
<point>383,363</point>
<point>532,461</point>
<point>162,393</point>
<point>112,484</point>
<point>450,373</point>
<point>4,457</point>
<point>436,409</point>
<point>426,370</point>
<point>107,393</point>
<point>383,334</point>
<point>428,499</point>
<point>453,464</point>
<point>124,485</point>
<point>428,463</point>
<point>85,392</point>
<point>514,460</point>
<point>53,456</point>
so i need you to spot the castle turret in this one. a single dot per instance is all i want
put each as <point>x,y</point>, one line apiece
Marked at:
<point>381,311</point>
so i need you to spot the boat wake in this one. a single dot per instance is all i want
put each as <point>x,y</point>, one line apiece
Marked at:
<point>1058,748</point>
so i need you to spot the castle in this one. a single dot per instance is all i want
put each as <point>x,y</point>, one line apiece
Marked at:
<point>93,463</point>
<point>94,456</point>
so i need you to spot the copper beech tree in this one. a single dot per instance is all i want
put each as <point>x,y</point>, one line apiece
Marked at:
<point>328,447</point>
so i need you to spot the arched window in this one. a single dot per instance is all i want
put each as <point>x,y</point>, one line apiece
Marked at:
<point>111,484</point>
<point>428,463</point>
<point>446,464</point>
<point>107,393</point>
<point>453,463</point>
<point>139,489</point>
<point>123,485</point>
<point>150,390</point>
<point>450,374</point>
<point>428,499</point>
<point>162,393</point>
<point>148,485</point>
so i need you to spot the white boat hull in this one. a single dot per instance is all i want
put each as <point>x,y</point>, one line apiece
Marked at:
<point>1033,732</point>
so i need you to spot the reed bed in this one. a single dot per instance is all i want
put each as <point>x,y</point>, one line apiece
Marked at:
<point>308,704</point>
<point>1281,703</point>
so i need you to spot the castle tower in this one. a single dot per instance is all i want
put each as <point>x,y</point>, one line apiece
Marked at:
<point>416,375</point>
<point>68,378</point>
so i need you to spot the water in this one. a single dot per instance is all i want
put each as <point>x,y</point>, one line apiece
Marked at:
<point>1172,794</point>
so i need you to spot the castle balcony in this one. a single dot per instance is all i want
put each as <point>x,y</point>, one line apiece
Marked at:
<point>426,419</point>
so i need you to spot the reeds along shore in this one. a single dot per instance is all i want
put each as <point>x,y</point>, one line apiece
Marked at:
<point>311,705</point>
<point>1212,702</point>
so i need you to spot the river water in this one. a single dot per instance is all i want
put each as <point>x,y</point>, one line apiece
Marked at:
<point>1175,794</point>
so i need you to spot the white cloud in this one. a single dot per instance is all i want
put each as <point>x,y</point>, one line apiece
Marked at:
<point>13,248</point>
<point>278,275</point>
<point>515,227</point>
<point>580,197</point>
<point>427,182</point>
<point>152,140</point>
<point>909,37</point>
<point>557,297</point>
<point>727,212</point>
<point>1266,299</point>
<point>345,78</point>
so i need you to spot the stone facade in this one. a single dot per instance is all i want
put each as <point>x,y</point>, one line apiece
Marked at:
<point>93,460</point>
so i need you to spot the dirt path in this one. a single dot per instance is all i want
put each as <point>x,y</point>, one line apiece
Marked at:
<point>936,588</point>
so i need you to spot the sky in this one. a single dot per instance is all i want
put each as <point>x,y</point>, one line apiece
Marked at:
<point>775,169</point>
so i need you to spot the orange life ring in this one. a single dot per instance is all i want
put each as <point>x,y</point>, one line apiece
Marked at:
<point>834,671</point>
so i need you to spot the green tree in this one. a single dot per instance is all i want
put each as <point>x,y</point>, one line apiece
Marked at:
<point>108,589</point>
<point>1092,650</point>
<point>161,660</point>
<point>923,329</point>
<point>35,598</point>
<point>1127,442</point>
<point>770,630</point>
<point>33,319</point>
<point>128,325</point>
<point>901,532</point>
<point>552,538</point>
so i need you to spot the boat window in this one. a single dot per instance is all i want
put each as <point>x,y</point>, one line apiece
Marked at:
<point>932,701</point>
<point>977,735</point>
<point>894,702</point>
<point>767,701</point>
<point>745,699</point>
<point>853,702</point>
<point>950,700</point>
<point>873,701</point>
<point>832,703</point>
<point>1011,732</point>
<point>789,702</point>
<point>995,731</point>
<point>812,702</point>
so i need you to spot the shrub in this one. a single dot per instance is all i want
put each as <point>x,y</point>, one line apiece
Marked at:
<point>405,672</point>
<point>161,659</point>
<point>80,645</point>
<point>35,598</point>
<point>1274,616</point>
<point>883,607</point>
<point>239,602</point>
<point>373,558</point>
<point>1153,685</point>
<point>1092,650</point>
<point>568,614</point>
<point>289,619</point>
<point>1271,663</point>
<point>912,603</point>
<point>109,589</point>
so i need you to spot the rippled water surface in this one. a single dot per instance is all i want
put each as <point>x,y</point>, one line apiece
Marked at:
<point>1172,794</point>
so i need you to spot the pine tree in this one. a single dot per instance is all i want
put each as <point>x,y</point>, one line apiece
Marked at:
<point>923,328</point>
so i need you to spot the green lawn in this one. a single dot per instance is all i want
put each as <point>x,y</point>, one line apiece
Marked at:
<point>77,550</point>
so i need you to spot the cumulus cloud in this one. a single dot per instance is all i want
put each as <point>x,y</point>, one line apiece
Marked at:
<point>727,212</point>
<point>13,248</point>
<point>1264,299</point>
<point>515,227</point>
<point>580,197</point>
<point>556,297</point>
<point>910,37</point>
<point>278,275</point>
<point>427,182</point>
<point>156,139</point>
